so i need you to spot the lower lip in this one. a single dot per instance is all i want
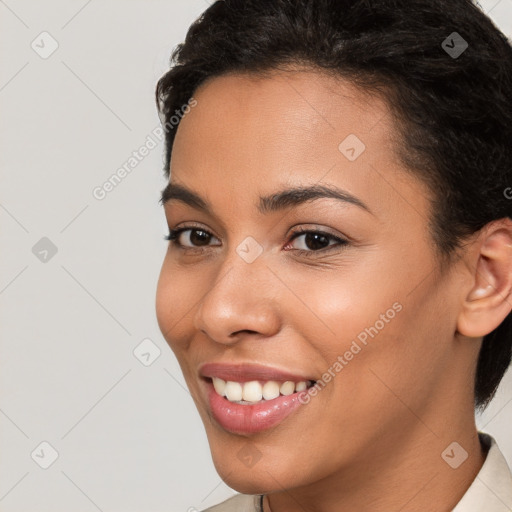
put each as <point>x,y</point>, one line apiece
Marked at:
<point>249,419</point>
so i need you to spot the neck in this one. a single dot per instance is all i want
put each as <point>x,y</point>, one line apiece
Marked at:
<point>403,472</point>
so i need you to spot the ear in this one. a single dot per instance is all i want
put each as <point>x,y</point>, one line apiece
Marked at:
<point>490,298</point>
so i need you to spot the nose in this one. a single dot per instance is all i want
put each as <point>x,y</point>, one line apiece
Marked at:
<point>242,301</point>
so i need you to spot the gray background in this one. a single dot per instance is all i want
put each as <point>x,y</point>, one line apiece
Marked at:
<point>127,434</point>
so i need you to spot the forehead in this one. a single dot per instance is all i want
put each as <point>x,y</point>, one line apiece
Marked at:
<point>283,103</point>
<point>252,133</point>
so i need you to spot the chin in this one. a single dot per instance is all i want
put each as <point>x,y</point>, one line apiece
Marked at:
<point>250,472</point>
<point>247,481</point>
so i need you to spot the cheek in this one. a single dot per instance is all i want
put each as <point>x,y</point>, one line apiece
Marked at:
<point>342,305</point>
<point>370,331</point>
<point>175,297</point>
<point>390,363</point>
<point>164,300</point>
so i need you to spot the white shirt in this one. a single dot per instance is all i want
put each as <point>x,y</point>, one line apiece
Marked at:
<point>490,491</point>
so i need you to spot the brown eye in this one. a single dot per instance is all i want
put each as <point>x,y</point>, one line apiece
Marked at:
<point>316,242</point>
<point>196,237</point>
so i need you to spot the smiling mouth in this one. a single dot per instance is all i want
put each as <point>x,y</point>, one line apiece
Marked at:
<point>246,398</point>
<point>256,391</point>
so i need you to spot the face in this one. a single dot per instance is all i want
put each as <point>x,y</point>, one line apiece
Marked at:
<point>300,288</point>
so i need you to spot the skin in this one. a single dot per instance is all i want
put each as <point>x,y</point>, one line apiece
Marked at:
<point>372,438</point>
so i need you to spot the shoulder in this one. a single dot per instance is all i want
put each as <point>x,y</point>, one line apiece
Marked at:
<point>238,503</point>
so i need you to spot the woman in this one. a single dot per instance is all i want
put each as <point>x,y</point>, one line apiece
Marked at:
<point>338,283</point>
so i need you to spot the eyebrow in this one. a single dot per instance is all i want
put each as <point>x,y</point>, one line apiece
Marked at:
<point>272,203</point>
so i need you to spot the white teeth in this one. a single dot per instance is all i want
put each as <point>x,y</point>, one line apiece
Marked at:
<point>253,391</point>
<point>287,388</point>
<point>219,385</point>
<point>301,386</point>
<point>270,390</point>
<point>233,391</point>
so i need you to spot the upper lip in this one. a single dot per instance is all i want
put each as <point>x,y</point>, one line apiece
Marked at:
<point>245,372</point>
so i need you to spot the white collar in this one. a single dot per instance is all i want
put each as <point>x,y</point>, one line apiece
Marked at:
<point>491,490</point>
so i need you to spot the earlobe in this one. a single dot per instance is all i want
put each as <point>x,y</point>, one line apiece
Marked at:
<point>490,299</point>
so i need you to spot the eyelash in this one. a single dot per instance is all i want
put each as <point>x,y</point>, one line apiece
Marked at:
<point>342,243</point>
